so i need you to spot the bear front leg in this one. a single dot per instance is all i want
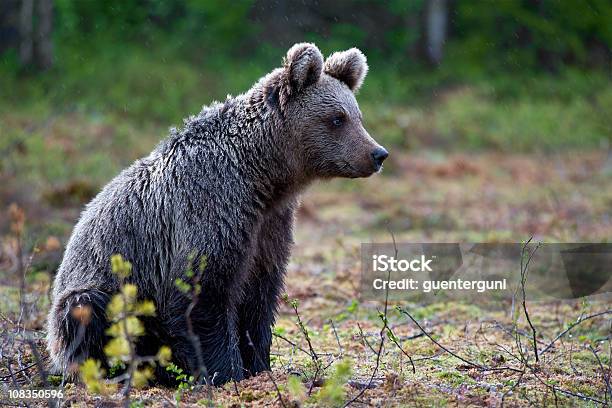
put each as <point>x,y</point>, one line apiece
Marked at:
<point>218,334</point>
<point>257,311</point>
<point>210,349</point>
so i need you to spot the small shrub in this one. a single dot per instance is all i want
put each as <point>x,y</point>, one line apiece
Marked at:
<point>185,382</point>
<point>333,393</point>
<point>124,312</point>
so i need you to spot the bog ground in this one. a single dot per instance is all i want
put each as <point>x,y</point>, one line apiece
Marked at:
<point>421,196</point>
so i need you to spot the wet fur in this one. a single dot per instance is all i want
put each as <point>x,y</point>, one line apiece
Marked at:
<point>225,186</point>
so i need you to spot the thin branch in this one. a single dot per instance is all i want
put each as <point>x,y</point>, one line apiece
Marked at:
<point>304,331</point>
<point>516,384</point>
<point>294,345</point>
<point>580,320</point>
<point>314,378</point>
<point>278,392</point>
<point>202,371</point>
<point>554,388</point>
<point>331,321</point>
<point>369,383</point>
<point>524,271</point>
<point>606,379</point>
<point>475,365</point>
<point>7,377</point>
<point>365,340</point>
<point>38,362</point>
<point>381,334</point>
<point>313,354</point>
<point>395,341</point>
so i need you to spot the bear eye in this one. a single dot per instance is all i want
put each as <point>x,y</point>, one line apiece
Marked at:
<point>337,121</point>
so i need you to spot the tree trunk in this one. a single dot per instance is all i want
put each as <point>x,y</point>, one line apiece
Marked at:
<point>26,41</point>
<point>44,43</point>
<point>436,16</point>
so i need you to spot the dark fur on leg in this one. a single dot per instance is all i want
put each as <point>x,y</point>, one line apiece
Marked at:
<point>262,289</point>
<point>215,327</point>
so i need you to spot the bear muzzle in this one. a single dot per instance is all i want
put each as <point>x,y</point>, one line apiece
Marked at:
<point>379,155</point>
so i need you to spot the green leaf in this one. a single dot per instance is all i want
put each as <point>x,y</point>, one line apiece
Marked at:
<point>145,308</point>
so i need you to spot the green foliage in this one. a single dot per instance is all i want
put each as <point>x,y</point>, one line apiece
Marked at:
<point>164,355</point>
<point>121,268</point>
<point>181,285</point>
<point>454,378</point>
<point>531,76</point>
<point>534,34</point>
<point>333,393</point>
<point>514,34</point>
<point>474,119</point>
<point>191,284</point>
<point>92,375</point>
<point>185,382</point>
<point>352,308</point>
<point>279,331</point>
<point>124,312</point>
<point>296,388</point>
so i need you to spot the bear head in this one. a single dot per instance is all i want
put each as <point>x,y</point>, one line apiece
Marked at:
<point>321,114</point>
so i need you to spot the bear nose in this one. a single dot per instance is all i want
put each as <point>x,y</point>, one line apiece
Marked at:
<point>379,155</point>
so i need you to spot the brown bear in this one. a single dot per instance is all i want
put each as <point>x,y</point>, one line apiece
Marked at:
<point>223,187</point>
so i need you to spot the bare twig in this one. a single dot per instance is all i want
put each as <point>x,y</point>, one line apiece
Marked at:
<point>39,363</point>
<point>9,321</point>
<point>331,321</point>
<point>278,392</point>
<point>364,338</point>
<point>193,337</point>
<point>313,354</point>
<point>7,377</point>
<point>554,388</point>
<point>300,323</point>
<point>381,334</point>
<point>516,384</point>
<point>293,344</point>
<point>475,365</point>
<point>12,375</point>
<point>376,367</point>
<point>314,378</point>
<point>580,320</point>
<point>524,270</point>
<point>604,375</point>
<point>395,341</point>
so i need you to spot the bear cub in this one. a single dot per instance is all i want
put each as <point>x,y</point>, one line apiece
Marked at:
<point>224,188</point>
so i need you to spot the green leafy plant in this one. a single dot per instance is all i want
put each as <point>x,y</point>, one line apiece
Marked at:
<point>92,375</point>
<point>333,393</point>
<point>296,388</point>
<point>185,382</point>
<point>124,312</point>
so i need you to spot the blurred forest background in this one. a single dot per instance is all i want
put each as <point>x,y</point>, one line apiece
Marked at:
<point>497,116</point>
<point>520,75</point>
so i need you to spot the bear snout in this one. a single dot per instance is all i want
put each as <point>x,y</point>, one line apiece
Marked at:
<point>379,155</point>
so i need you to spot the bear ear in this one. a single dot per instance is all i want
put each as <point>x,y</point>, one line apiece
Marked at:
<point>348,66</point>
<point>304,65</point>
